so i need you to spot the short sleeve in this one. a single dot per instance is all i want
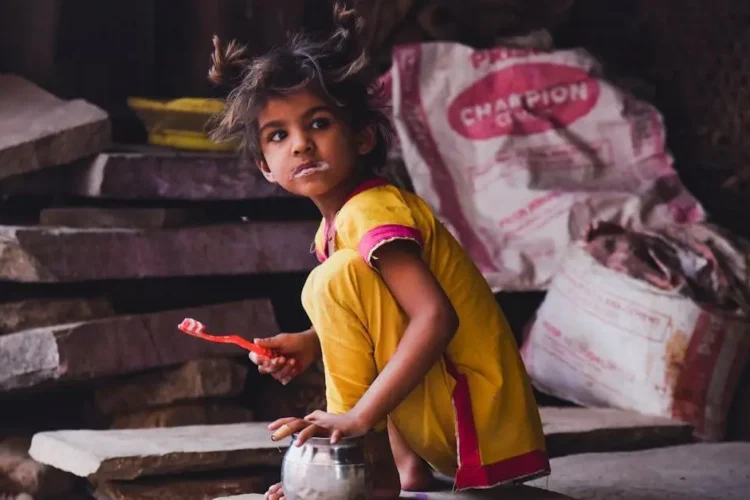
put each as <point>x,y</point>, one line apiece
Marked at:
<point>318,243</point>
<point>377,217</point>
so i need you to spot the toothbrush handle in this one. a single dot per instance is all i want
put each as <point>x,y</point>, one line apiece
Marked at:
<point>250,346</point>
<point>196,329</point>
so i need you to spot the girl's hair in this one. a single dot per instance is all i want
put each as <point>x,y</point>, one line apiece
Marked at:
<point>336,68</point>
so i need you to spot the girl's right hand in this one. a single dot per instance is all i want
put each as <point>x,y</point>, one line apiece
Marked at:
<point>296,352</point>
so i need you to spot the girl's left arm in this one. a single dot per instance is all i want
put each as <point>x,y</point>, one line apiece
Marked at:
<point>432,324</point>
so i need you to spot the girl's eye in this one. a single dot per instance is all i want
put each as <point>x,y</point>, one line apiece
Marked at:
<point>320,123</point>
<point>277,136</point>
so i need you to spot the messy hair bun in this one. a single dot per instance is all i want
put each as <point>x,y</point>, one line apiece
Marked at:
<point>346,42</point>
<point>227,64</point>
<point>337,67</point>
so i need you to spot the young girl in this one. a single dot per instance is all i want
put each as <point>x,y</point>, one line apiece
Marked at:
<point>417,353</point>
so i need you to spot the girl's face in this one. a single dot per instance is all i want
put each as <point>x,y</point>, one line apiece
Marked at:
<point>308,150</point>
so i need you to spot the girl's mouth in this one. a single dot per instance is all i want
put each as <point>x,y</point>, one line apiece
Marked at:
<point>309,168</point>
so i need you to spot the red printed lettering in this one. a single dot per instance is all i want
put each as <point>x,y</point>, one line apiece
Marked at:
<point>481,58</point>
<point>523,100</point>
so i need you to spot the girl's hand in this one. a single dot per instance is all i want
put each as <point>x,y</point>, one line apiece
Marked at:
<point>339,426</point>
<point>274,493</point>
<point>297,351</point>
<point>377,445</point>
<point>292,424</point>
<point>387,486</point>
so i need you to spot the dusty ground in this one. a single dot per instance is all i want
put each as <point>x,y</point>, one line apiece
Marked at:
<point>687,472</point>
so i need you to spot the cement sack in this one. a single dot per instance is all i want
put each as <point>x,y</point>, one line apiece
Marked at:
<point>651,322</point>
<point>518,149</point>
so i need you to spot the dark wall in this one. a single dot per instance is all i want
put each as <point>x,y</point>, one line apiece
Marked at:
<point>107,51</point>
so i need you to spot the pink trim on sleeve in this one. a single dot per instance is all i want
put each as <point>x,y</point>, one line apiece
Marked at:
<point>320,256</point>
<point>379,236</point>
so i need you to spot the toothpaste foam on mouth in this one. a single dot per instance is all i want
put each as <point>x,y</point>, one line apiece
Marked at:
<point>315,167</point>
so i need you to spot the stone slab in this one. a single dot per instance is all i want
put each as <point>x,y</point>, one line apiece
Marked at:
<point>568,430</point>
<point>130,453</point>
<point>571,430</point>
<point>700,471</point>
<point>196,379</point>
<point>188,487</point>
<point>506,493</point>
<point>41,254</point>
<point>205,413</point>
<point>151,176</point>
<point>33,313</point>
<point>39,130</point>
<point>143,218</point>
<point>125,344</point>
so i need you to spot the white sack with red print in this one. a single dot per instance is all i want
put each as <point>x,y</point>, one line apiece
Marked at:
<point>519,149</point>
<point>645,321</point>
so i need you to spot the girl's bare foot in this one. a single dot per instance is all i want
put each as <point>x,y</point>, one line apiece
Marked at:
<point>274,493</point>
<point>415,474</point>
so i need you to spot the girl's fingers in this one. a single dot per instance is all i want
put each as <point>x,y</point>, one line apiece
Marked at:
<point>306,434</point>
<point>266,369</point>
<point>282,421</point>
<point>286,430</point>
<point>255,358</point>
<point>275,492</point>
<point>271,365</point>
<point>336,436</point>
<point>275,489</point>
<point>260,359</point>
<point>285,374</point>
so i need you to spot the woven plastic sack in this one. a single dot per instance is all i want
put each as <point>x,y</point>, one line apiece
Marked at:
<point>649,322</point>
<point>519,149</point>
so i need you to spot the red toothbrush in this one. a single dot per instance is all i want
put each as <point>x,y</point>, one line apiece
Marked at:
<point>198,329</point>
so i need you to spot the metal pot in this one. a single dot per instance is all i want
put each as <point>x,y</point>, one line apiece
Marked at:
<point>325,471</point>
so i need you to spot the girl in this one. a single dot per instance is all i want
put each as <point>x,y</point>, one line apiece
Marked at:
<point>417,354</point>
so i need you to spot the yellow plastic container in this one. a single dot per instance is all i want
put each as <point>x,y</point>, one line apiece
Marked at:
<point>179,123</point>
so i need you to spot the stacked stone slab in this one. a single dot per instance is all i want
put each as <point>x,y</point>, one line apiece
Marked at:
<point>39,130</point>
<point>222,460</point>
<point>200,392</point>
<point>57,148</point>
<point>95,216</point>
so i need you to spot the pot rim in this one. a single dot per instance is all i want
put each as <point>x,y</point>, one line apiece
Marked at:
<point>326,441</point>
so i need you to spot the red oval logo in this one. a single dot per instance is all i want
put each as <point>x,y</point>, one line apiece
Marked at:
<point>523,99</point>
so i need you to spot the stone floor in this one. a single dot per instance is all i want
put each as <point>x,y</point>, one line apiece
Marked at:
<point>719,471</point>
<point>516,493</point>
<point>597,454</point>
<point>705,471</point>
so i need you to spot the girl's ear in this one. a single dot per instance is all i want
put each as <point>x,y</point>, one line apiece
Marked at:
<point>366,140</point>
<point>263,167</point>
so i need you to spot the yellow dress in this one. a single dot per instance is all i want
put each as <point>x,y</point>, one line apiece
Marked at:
<point>474,416</point>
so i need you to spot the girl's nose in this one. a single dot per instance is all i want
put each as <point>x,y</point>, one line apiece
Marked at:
<point>302,144</point>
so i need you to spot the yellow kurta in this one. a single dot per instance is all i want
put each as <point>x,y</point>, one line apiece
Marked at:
<point>474,416</point>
